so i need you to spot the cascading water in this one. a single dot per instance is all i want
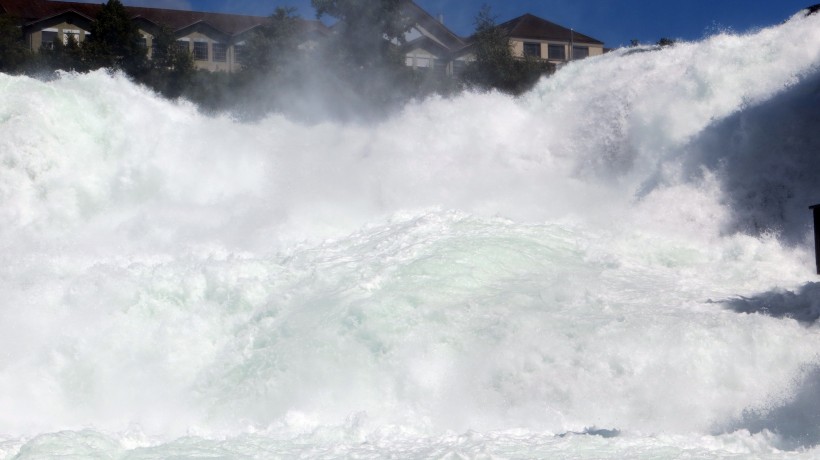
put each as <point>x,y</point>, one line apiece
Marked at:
<point>614,265</point>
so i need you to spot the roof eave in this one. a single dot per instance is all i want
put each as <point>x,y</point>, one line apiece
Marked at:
<point>54,16</point>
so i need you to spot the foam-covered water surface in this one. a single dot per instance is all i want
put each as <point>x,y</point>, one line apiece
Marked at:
<point>616,264</point>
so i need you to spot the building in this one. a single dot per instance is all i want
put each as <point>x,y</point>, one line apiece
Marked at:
<point>214,40</point>
<point>535,37</point>
<point>431,45</point>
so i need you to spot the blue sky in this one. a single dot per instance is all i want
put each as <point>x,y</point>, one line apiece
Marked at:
<point>611,21</point>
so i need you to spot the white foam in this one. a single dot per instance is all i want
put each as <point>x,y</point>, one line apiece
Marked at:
<point>551,263</point>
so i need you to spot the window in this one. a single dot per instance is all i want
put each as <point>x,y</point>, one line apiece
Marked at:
<point>144,42</point>
<point>532,49</point>
<point>182,46</point>
<point>580,52</point>
<point>49,37</point>
<point>220,52</point>
<point>201,51</point>
<point>69,34</point>
<point>557,52</point>
<point>423,62</point>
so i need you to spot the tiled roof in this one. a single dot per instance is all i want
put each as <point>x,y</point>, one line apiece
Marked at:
<point>530,26</point>
<point>26,9</point>
<point>231,24</point>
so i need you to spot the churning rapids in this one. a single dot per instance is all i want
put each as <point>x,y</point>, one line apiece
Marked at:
<point>615,265</point>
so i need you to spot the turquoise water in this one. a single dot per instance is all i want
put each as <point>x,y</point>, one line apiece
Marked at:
<point>610,266</point>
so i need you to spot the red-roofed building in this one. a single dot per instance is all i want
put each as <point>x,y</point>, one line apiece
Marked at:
<point>532,36</point>
<point>432,45</point>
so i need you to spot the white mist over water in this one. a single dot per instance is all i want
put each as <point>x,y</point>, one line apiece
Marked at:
<point>476,276</point>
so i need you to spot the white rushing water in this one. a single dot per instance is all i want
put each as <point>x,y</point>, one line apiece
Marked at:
<point>615,265</point>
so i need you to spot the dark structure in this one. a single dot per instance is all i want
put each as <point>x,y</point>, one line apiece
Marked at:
<point>543,39</point>
<point>816,209</point>
<point>813,9</point>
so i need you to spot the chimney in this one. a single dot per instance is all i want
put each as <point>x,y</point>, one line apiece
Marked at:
<point>441,18</point>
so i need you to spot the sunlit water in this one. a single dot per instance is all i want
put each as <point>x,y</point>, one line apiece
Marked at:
<point>615,265</point>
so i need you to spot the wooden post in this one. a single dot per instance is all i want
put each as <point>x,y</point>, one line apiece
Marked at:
<point>816,209</point>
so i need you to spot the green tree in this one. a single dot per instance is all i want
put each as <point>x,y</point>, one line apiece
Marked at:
<point>170,68</point>
<point>367,71</point>
<point>495,66</point>
<point>273,45</point>
<point>366,28</point>
<point>13,52</point>
<point>62,56</point>
<point>493,54</point>
<point>165,54</point>
<point>272,65</point>
<point>115,41</point>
